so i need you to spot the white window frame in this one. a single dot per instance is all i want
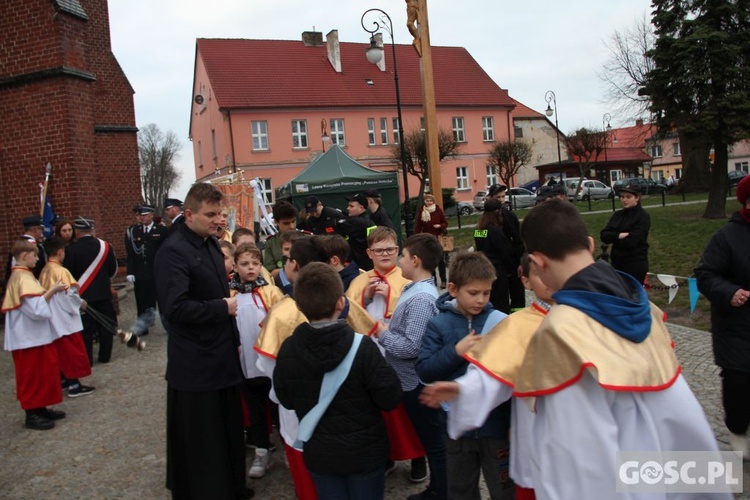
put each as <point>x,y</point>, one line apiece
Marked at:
<point>488,129</point>
<point>676,151</point>
<point>384,131</point>
<point>259,131</point>
<point>656,151</point>
<point>491,175</point>
<point>615,175</point>
<point>371,132</point>
<point>396,133</point>
<point>338,135</point>
<point>266,190</point>
<point>462,179</point>
<point>299,134</point>
<point>742,166</point>
<point>459,133</point>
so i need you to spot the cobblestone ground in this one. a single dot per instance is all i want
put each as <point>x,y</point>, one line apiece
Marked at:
<point>112,443</point>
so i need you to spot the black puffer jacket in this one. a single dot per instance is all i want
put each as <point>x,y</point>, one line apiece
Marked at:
<point>723,269</point>
<point>634,248</point>
<point>351,437</point>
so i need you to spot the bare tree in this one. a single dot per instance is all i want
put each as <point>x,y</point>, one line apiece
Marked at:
<point>416,153</point>
<point>157,153</point>
<point>509,157</point>
<point>626,69</point>
<point>584,147</point>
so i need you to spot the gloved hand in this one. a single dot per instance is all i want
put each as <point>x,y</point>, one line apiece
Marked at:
<point>130,278</point>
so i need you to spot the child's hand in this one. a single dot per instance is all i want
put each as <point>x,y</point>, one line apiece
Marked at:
<point>371,287</point>
<point>466,343</point>
<point>382,289</point>
<point>434,394</point>
<point>58,287</point>
<point>84,305</point>
<point>379,330</point>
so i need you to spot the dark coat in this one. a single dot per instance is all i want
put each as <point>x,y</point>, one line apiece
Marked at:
<point>351,437</point>
<point>512,230</point>
<point>191,284</point>
<point>436,217</point>
<point>355,229</point>
<point>381,218</point>
<point>141,248</point>
<point>634,248</point>
<point>78,257</point>
<point>723,269</point>
<point>325,224</point>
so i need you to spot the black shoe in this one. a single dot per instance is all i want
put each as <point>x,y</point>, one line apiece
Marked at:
<point>427,494</point>
<point>246,493</point>
<point>38,422</point>
<point>418,470</point>
<point>52,414</point>
<point>80,390</point>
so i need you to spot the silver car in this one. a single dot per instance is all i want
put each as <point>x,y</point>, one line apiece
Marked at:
<point>593,189</point>
<point>519,197</point>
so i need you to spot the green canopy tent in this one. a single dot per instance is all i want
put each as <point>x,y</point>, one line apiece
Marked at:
<point>333,176</point>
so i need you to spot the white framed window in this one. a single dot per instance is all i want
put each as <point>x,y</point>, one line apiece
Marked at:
<point>337,131</point>
<point>615,175</point>
<point>676,149</point>
<point>517,132</point>
<point>458,129</point>
<point>213,143</point>
<point>384,131</point>
<point>462,178</point>
<point>396,136</point>
<point>299,134</point>
<point>656,151</point>
<point>266,191</point>
<point>491,175</point>
<point>260,135</point>
<point>741,166</point>
<point>371,131</point>
<point>488,129</point>
<point>678,173</point>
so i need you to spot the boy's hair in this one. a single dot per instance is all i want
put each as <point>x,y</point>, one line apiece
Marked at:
<point>307,250</point>
<point>291,236</point>
<point>225,244</point>
<point>241,231</point>
<point>427,247</point>
<point>283,210</point>
<point>470,266</point>
<point>381,233</point>
<point>202,192</point>
<point>22,245</point>
<point>554,229</point>
<point>54,244</point>
<point>317,289</point>
<point>524,268</point>
<point>248,248</point>
<point>337,246</point>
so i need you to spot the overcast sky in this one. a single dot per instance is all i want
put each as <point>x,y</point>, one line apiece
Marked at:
<point>527,47</point>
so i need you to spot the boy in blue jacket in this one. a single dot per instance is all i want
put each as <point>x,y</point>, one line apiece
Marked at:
<point>464,314</point>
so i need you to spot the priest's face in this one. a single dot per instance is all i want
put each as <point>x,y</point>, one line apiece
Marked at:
<point>205,221</point>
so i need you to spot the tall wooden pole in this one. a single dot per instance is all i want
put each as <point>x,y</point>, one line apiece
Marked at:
<point>430,111</point>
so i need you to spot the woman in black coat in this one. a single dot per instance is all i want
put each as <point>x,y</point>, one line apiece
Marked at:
<point>627,232</point>
<point>723,275</point>
<point>491,239</point>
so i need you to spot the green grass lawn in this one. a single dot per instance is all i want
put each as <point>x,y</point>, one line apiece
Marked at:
<point>677,238</point>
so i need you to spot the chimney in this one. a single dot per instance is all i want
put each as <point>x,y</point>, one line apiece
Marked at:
<point>639,122</point>
<point>312,38</point>
<point>334,53</point>
<point>379,41</point>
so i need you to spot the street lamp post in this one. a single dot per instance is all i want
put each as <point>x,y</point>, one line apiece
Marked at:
<point>550,97</point>
<point>374,54</point>
<point>606,127</point>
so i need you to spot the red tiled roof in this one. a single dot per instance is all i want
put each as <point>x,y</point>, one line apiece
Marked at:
<point>523,111</point>
<point>634,136</point>
<point>286,74</point>
<point>618,154</point>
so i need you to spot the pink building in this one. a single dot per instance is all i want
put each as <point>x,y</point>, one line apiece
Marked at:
<point>267,108</point>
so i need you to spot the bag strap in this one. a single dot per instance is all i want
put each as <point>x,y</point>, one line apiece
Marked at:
<point>332,382</point>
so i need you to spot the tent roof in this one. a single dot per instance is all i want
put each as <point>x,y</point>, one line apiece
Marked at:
<point>335,172</point>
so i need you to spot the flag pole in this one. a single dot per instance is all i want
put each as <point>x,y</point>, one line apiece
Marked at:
<point>47,174</point>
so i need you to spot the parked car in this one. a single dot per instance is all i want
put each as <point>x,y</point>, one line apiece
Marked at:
<point>735,176</point>
<point>646,186</point>
<point>519,197</point>
<point>596,190</point>
<point>462,207</point>
<point>479,200</point>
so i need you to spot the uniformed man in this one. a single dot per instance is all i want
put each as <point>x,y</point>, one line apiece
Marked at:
<point>355,229</point>
<point>320,219</point>
<point>173,210</point>
<point>93,264</point>
<point>33,231</point>
<point>142,242</point>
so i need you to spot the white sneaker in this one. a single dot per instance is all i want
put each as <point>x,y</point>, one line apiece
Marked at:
<point>741,443</point>
<point>260,464</point>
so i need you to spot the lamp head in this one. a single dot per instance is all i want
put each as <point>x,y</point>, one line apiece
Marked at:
<point>374,52</point>
<point>549,111</point>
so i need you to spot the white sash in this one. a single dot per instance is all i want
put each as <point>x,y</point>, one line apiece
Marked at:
<point>93,270</point>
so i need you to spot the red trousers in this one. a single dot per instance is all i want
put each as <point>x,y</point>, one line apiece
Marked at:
<point>37,377</point>
<point>402,437</point>
<point>304,486</point>
<point>71,354</point>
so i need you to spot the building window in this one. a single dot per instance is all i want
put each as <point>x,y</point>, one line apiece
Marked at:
<point>396,136</point>
<point>517,132</point>
<point>615,175</point>
<point>384,131</point>
<point>462,178</point>
<point>299,134</point>
<point>371,131</point>
<point>266,191</point>
<point>678,173</point>
<point>491,175</point>
<point>421,123</point>
<point>656,151</point>
<point>337,132</point>
<point>488,129</point>
<point>260,135</point>
<point>458,129</point>
<point>676,149</point>
<point>741,166</point>
<point>213,143</point>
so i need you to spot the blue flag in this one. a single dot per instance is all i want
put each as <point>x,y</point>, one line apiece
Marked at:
<point>48,217</point>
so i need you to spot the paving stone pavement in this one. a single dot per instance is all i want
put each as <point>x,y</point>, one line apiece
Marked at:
<point>112,443</point>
